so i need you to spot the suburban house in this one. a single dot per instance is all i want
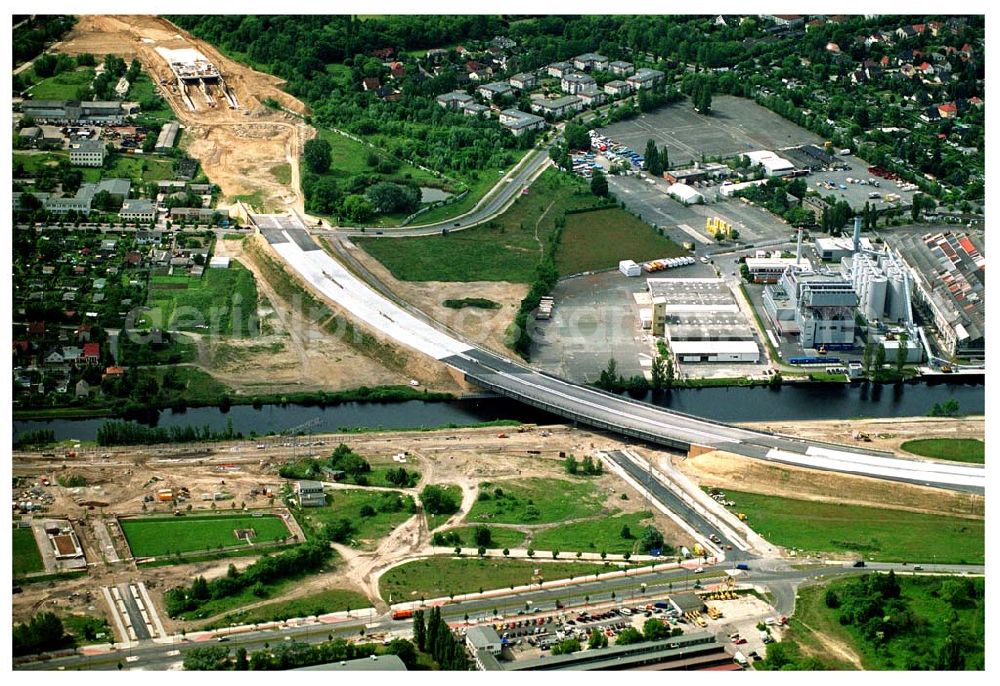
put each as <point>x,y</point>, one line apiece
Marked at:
<point>137,210</point>
<point>557,107</point>
<point>593,98</point>
<point>523,81</point>
<point>617,88</point>
<point>494,90</point>
<point>578,83</point>
<point>310,494</point>
<point>92,353</point>
<point>474,109</point>
<point>87,154</point>
<point>455,100</point>
<point>620,68</point>
<point>590,61</point>
<point>559,69</point>
<point>645,79</point>
<point>519,122</point>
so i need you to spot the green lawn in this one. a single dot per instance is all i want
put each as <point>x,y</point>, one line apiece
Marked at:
<point>141,169</point>
<point>957,449</point>
<point>32,164</point>
<point>223,300</point>
<point>500,537</point>
<point>348,158</point>
<point>595,536</point>
<point>334,600</point>
<point>347,504</point>
<point>27,559</point>
<point>876,533</point>
<point>600,239</point>
<point>536,501</point>
<point>245,597</point>
<point>145,89</point>
<point>440,576</point>
<point>508,248</point>
<point>923,641</point>
<point>149,536</point>
<point>65,86</point>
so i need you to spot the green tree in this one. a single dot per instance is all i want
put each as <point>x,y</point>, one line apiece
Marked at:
<point>419,630</point>
<point>438,500</point>
<point>358,208</point>
<point>659,373</point>
<point>868,356</point>
<point>597,639</point>
<point>242,664</point>
<point>576,136</point>
<point>652,539</point>
<point>626,532</point>
<point>570,645</point>
<point>571,464</point>
<point>879,359</point>
<point>483,535</point>
<point>902,350</point>
<point>654,630</point>
<point>599,184</point>
<point>317,155</point>
<point>629,636</point>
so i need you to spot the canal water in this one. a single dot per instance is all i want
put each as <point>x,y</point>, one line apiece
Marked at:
<point>722,404</point>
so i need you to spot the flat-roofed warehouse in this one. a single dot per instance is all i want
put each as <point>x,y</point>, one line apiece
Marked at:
<point>949,278</point>
<point>701,320</point>
<point>168,136</point>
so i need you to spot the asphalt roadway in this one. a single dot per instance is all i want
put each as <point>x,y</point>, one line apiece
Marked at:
<point>635,588</point>
<point>657,425</point>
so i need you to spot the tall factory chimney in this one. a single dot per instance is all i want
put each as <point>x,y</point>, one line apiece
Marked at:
<point>857,234</point>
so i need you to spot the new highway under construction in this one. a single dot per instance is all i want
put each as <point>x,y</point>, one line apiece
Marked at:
<point>288,237</point>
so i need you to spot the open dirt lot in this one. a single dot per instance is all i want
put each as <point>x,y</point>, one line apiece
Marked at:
<point>236,148</point>
<point>885,434</point>
<point>726,470</point>
<point>294,354</point>
<point>736,125</point>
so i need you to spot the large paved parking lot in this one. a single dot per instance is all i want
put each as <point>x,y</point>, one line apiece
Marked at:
<point>856,194</point>
<point>686,223</point>
<point>736,125</point>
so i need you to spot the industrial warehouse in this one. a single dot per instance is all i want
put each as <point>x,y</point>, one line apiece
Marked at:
<point>701,320</point>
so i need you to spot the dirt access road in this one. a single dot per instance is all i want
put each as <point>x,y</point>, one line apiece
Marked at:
<point>238,149</point>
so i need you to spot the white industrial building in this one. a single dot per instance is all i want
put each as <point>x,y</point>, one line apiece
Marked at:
<point>834,248</point>
<point>773,164</point>
<point>819,306</point>
<point>768,269</point>
<point>685,194</point>
<point>87,154</point>
<point>701,321</point>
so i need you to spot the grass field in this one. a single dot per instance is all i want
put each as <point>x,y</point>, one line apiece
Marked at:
<point>65,86</point>
<point>922,596</point>
<point>347,504</point>
<point>500,536</point>
<point>595,536</point>
<point>536,501</point>
<point>149,536</point>
<point>139,169</point>
<point>27,559</point>
<point>145,89</point>
<point>508,248</point>
<point>334,600</point>
<point>282,173</point>
<point>600,239</point>
<point>223,300</point>
<point>441,576</point>
<point>876,533</point>
<point>32,164</point>
<point>957,449</point>
<point>86,629</point>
